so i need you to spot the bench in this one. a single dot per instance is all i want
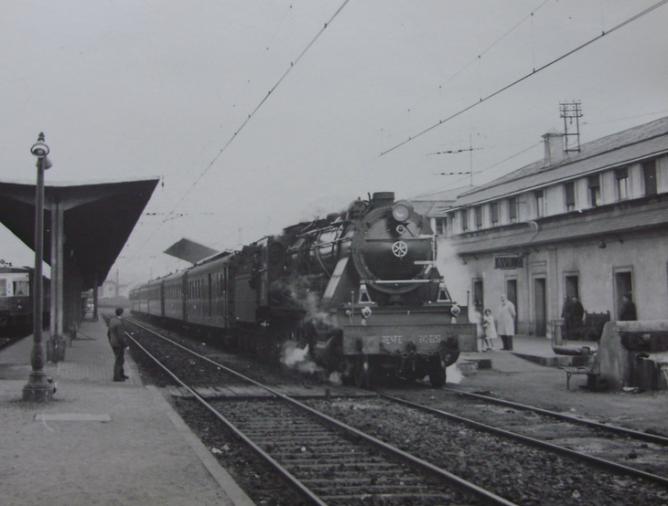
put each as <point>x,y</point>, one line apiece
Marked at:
<point>592,327</point>
<point>591,369</point>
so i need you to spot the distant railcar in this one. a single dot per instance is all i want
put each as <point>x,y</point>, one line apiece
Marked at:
<point>16,302</point>
<point>360,288</point>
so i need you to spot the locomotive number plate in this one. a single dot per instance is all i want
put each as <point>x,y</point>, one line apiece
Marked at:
<point>430,339</point>
<point>392,339</point>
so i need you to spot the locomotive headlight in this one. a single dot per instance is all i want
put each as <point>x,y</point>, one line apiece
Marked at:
<point>401,211</point>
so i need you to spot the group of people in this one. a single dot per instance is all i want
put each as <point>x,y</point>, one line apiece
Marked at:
<point>573,314</point>
<point>504,327</point>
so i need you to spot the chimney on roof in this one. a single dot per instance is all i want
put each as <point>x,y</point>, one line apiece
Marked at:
<point>554,148</point>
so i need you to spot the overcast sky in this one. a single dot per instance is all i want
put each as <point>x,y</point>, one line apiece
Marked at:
<point>127,89</point>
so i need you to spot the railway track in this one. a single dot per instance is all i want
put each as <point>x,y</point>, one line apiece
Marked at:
<point>323,459</point>
<point>644,451</point>
<point>607,447</point>
<point>310,449</point>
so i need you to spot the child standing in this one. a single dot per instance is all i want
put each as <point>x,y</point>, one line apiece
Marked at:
<point>489,329</point>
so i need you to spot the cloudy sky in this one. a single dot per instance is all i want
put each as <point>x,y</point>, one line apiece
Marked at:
<point>127,89</point>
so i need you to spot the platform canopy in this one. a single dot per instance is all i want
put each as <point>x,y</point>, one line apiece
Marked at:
<point>98,219</point>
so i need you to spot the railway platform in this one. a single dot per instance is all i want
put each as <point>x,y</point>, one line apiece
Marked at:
<point>99,442</point>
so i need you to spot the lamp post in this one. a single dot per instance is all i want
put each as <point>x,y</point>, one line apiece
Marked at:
<point>38,387</point>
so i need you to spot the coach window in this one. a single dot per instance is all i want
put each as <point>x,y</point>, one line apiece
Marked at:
<point>622,178</point>
<point>512,209</point>
<point>494,213</point>
<point>649,174</point>
<point>465,220</point>
<point>569,195</point>
<point>594,183</point>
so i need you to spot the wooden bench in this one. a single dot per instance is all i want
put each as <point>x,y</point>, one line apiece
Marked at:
<point>591,369</point>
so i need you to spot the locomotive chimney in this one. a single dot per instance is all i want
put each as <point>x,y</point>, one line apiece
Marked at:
<point>382,199</point>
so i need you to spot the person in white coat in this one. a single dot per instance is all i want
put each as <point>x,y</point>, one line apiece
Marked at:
<point>505,327</point>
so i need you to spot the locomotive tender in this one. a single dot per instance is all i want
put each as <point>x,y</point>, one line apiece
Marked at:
<point>360,288</point>
<point>16,302</point>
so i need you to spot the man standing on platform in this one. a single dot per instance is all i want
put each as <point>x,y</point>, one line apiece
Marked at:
<point>118,343</point>
<point>577,315</point>
<point>628,310</point>
<point>505,326</point>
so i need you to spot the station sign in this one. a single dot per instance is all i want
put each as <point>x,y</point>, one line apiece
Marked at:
<point>508,262</point>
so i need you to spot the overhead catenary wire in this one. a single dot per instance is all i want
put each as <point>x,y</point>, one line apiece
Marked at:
<point>244,123</point>
<point>526,76</point>
<point>479,55</point>
<point>264,99</point>
<point>487,168</point>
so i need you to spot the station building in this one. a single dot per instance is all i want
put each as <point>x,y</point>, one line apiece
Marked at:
<point>591,223</point>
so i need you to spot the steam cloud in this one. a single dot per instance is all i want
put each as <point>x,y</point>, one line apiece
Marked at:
<point>450,266</point>
<point>297,358</point>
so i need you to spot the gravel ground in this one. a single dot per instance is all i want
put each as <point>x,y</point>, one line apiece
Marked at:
<point>524,475</point>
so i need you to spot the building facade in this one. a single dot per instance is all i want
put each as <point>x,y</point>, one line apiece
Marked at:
<point>591,223</point>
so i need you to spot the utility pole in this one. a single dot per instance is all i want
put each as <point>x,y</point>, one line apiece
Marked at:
<point>571,111</point>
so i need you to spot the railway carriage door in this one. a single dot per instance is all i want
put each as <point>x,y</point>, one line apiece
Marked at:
<point>226,296</point>
<point>184,297</point>
<point>210,297</point>
<point>162,298</point>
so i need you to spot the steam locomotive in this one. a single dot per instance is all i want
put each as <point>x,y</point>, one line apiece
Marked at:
<point>361,289</point>
<point>16,304</point>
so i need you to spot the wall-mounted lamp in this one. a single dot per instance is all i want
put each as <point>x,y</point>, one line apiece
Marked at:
<point>602,245</point>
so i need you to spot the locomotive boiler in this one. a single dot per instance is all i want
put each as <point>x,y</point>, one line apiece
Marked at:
<point>360,288</point>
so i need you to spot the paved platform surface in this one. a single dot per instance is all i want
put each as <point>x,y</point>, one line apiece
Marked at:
<point>530,374</point>
<point>99,442</point>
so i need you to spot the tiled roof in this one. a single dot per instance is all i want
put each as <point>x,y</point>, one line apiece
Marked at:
<point>614,150</point>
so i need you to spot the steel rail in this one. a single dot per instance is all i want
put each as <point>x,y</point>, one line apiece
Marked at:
<point>629,471</point>
<point>481,493</point>
<point>284,472</point>
<point>652,438</point>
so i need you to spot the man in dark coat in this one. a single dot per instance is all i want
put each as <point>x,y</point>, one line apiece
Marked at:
<point>566,314</point>
<point>577,314</point>
<point>118,343</point>
<point>628,310</point>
